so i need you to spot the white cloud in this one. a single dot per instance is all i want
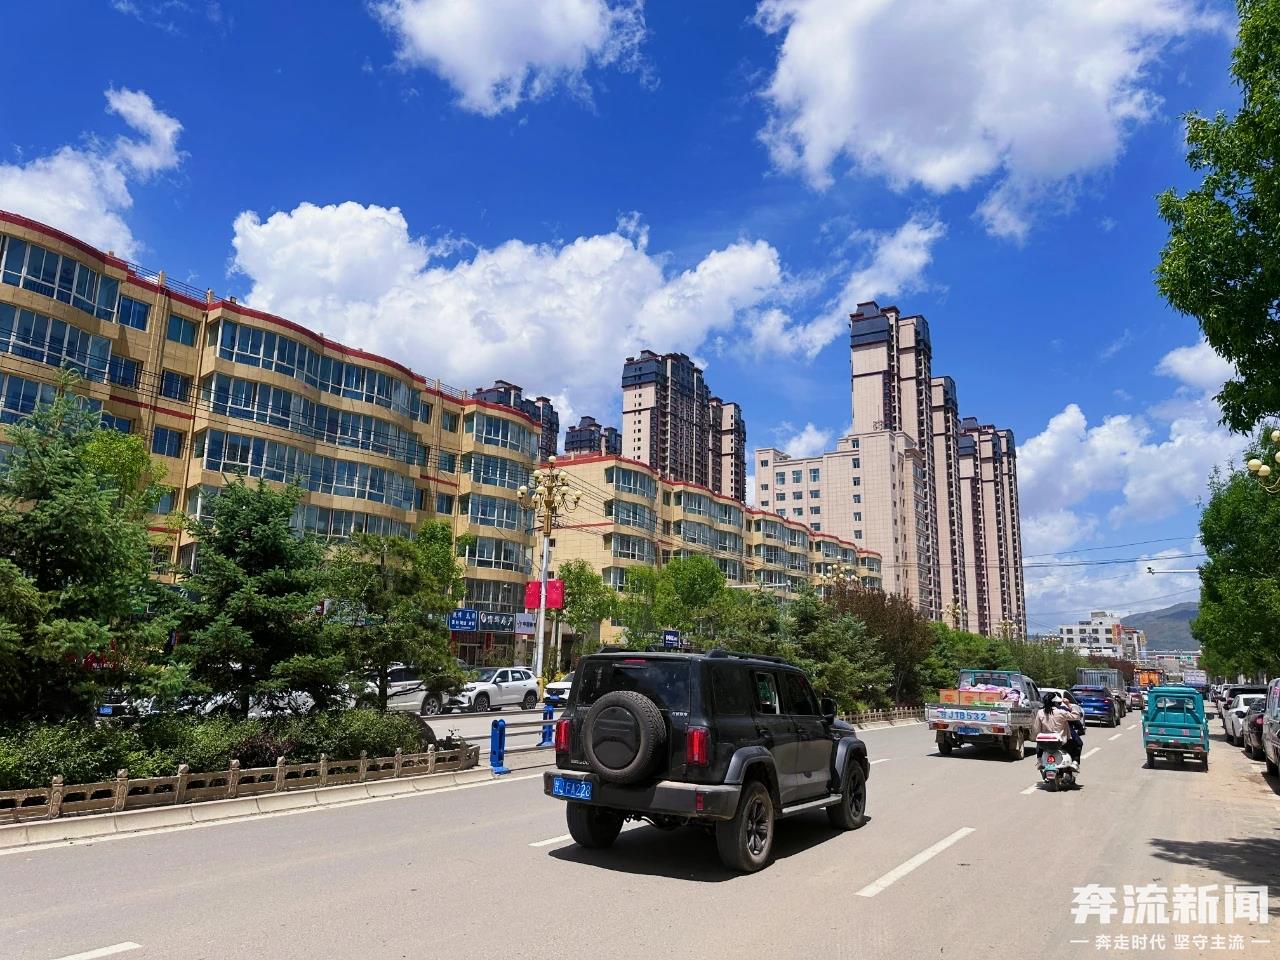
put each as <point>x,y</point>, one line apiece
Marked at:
<point>809,441</point>
<point>1053,531</point>
<point>85,190</point>
<point>547,316</point>
<point>1197,366</point>
<point>751,490</point>
<point>1057,595</point>
<point>1115,346</point>
<point>1032,94</point>
<point>499,52</point>
<point>893,264</point>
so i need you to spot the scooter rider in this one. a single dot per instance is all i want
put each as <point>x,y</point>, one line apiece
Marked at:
<point>1057,717</point>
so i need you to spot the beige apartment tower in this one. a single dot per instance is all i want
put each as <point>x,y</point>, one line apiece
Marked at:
<point>672,423</point>
<point>952,565</point>
<point>892,389</point>
<point>993,528</point>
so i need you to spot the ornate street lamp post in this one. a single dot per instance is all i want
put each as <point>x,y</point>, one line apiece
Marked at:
<point>549,497</point>
<point>1263,470</point>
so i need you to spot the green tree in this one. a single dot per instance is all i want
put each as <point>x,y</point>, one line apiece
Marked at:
<point>637,607</point>
<point>901,632</point>
<point>1240,582</point>
<point>390,600</point>
<point>844,662</point>
<point>588,601</point>
<point>687,590</point>
<point>254,630</point>
<point>1221,263</point>
<point>79,612</point>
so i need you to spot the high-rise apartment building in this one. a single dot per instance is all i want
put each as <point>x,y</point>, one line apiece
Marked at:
<point>952,567</point>
<point>891,360</point>
<point>590,437</point>
<point>671,422</point>
<point>219,389</point>
<point>989,478</point>
<point>539,409</point>
<point>935,496</point>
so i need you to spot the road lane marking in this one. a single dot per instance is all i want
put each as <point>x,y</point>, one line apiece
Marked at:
<point>881,760</point>
<point>1090,753</point>
<point>1031,789</point>
<point>634,824</point>
<point>1113,737</point>
<point>547,843</point>
<point>251,818</point>
<point>924,856</point>
<point>110,951</point>
<point>1131,726</point>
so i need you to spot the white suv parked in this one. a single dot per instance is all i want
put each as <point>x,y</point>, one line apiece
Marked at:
<point>495,688</point>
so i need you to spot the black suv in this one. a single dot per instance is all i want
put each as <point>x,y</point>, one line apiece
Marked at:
<point>729,741</point>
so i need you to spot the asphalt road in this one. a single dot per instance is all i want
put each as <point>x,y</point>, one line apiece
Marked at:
<point>958,860</point>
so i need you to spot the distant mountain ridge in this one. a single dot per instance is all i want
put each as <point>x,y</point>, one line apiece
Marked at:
<point>1168,628</point>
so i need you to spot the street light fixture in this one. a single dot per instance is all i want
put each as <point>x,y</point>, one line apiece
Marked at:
<point>549,497</point>
<point>1263,470</point>
<point>840,576</point>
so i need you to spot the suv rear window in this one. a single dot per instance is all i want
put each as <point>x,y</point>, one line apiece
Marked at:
<point>665,682</point>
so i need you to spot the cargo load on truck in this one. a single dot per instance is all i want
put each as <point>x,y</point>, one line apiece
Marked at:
<point>993,708</point>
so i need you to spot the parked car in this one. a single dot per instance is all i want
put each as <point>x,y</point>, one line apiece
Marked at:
<point>725,741</point>
<point>1233,716</point>
<point>421,692</point>
<point>1098,705</point>
<point>1271,729</point>
<point>557,692</point>
<point>1230,691</point>
<point>1251,727</point>
<point>496,687</point>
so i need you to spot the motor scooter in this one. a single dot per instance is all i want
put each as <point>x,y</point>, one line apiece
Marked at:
<point>1057,768</point>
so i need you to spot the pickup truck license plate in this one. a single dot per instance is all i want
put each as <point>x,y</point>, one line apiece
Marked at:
<point>971,731</point>
<point>573,789</point>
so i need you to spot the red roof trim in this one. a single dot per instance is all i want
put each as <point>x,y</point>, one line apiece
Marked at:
<point>447,483</point>
<point>150,406</point>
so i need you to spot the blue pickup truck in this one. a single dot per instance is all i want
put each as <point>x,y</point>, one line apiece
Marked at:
<point>1098,704</point>
<point>1174,725</point>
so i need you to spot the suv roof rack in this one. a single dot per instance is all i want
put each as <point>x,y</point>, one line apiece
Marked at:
<point>745,656</point>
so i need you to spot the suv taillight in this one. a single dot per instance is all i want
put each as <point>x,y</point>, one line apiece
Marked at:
<point>562,736</point>
<point>696,748</point>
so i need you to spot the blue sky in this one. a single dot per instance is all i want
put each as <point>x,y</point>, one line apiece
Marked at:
<point>532,191</point>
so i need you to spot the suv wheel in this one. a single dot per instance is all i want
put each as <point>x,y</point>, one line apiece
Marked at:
<point>431,705</point>
<point>480,703</point>
<point>530,701</point>
<point>746,842</point>
<point>851,812</point>
<point>592,827</point>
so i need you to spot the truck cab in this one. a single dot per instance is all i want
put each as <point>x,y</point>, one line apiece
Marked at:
<point>1174,725</point>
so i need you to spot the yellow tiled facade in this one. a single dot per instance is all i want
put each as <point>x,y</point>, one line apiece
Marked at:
<point>630,516</point>
<point>218,389</point>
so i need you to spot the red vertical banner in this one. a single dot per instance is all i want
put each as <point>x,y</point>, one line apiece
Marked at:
<point>555,594</point>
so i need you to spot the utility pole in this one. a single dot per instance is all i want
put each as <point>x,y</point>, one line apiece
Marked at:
<point>549,496</point>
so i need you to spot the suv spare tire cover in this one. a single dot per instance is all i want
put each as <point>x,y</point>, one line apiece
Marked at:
<point>622,734</point>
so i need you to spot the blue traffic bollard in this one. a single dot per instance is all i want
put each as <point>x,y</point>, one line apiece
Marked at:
<point>498,747</point>
<point>548,730</point>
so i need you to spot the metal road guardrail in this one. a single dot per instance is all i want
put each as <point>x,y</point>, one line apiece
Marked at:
<point>122,793</point>
<point>544,728</point>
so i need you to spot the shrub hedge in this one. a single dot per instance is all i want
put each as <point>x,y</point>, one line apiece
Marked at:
<point>31,756</point>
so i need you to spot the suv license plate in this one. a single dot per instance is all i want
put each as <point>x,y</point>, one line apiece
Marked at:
<point>572,789</point>
<point>969,731</point>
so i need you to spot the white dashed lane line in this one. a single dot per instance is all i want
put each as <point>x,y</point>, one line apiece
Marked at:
<point>110,951</point>
<point>1132,726</point>
<point>1116,736</point>
<point>924,856</point>
<point>1090,753</point>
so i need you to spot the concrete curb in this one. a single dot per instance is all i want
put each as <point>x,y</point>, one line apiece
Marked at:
<point>109,824</point>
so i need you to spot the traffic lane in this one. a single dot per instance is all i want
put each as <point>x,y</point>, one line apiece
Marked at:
<point>1126,825</point>
<point>335,869</point>
<point>388,850</point>
<point>280,881</point>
